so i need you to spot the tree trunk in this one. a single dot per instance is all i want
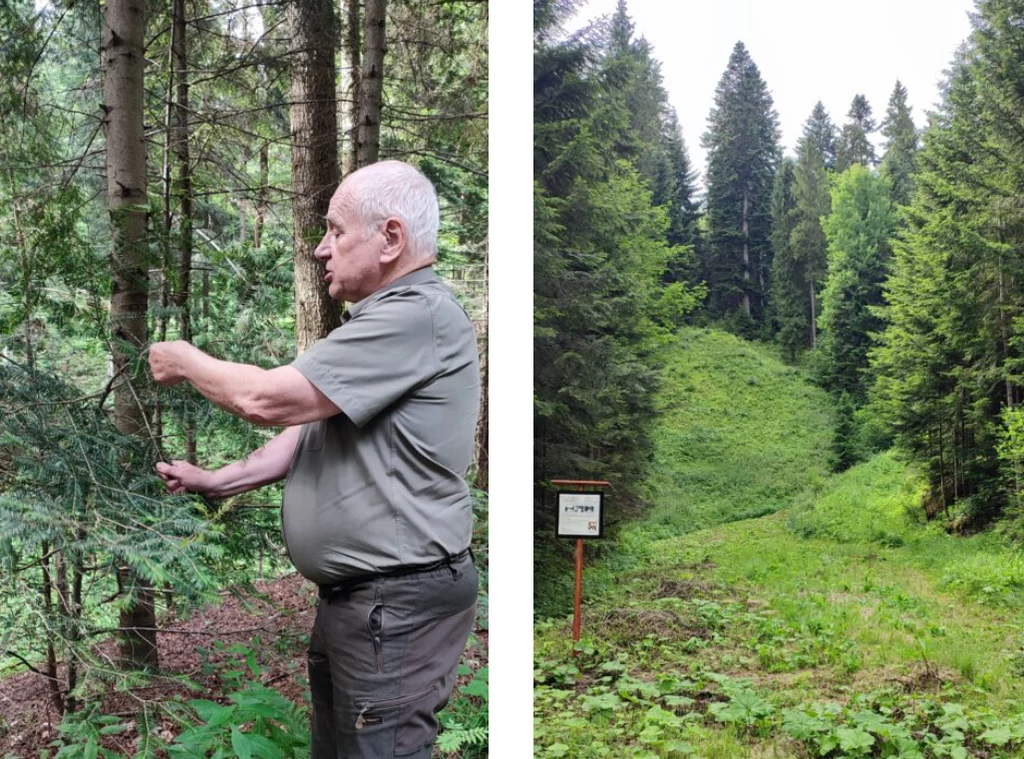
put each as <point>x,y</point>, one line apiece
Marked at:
<point>482,458</point>
<point>371,86</point>
<point>56,697</point>
<point>263,199</point>
<point>183,190</point>
<point>814,318</point>
<point>123,64</point>
<point>353,56</point>
<point>314,162</point>
<point>746,253</point>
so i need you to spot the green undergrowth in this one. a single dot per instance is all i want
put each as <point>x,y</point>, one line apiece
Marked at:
<point>841,624</point>
<point>739,432</point>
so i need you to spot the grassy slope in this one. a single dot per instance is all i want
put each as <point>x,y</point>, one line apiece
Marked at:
<point>841,598</point>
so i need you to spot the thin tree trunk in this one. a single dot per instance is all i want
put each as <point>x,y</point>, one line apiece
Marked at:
<point>371,85</point>
<point>482,458</point>
<point>814,318</point>
<point>53,684</point>
<point>183,190</point>
<point>21,243</point>
<point>263,198</point>
<point>746,253</point>
<point>123,67</point>
<point>314,163</point>
<point>353,55</point>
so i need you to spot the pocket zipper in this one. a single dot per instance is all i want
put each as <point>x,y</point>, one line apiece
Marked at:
<point>390,703</point>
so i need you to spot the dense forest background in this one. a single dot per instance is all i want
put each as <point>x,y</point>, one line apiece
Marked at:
<point>882,257</point>
<point>803,382</point>
<point>165,167</point>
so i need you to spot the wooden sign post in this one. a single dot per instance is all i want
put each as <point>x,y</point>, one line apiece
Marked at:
<point>580,515</point>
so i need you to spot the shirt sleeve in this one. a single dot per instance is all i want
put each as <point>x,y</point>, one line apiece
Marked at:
<point>375,358</point>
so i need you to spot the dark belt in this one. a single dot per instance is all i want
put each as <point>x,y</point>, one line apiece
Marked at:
<point>345,586</point>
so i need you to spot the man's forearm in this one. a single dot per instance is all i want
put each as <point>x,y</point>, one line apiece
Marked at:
<point>261,467</point>
<point>226,384</point>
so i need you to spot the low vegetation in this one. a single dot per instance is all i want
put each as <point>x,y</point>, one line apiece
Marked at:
<point>836,623</point>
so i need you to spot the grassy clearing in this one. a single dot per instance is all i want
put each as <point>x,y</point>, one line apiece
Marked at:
<point>840,626</point>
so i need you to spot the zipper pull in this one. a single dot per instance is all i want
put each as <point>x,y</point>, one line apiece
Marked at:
<point>359,719</point>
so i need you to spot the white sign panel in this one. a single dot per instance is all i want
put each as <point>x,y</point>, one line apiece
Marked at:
<point>579,515</point>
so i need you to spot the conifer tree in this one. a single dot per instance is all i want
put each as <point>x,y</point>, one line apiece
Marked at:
<point>900,147</point>
<point>858,231</point>
<point>743,151</point>
<point>683,209</point>
<point>786,306</point>
<point>812,202</point>
<point>855,144</point>
<point>822,133</point>
<point>601,306</point>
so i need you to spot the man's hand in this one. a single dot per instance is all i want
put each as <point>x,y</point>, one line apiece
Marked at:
<point>183,477</point>
<point>167,361</point>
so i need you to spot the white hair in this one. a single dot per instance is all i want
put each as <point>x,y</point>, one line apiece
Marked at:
<point>394,188</point>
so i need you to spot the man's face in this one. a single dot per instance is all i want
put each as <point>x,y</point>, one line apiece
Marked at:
<point>353,263</point>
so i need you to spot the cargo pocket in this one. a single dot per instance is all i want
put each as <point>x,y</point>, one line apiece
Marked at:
<point>412,716</point>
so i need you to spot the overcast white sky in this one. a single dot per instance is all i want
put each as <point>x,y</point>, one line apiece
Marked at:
<point>806,50</point>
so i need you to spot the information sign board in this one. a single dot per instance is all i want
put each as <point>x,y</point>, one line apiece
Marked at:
<point>580,515</point>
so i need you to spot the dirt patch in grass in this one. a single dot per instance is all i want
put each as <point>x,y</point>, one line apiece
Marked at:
<point>685,589</point>
<point>631,625</point>
<point>916,677</point>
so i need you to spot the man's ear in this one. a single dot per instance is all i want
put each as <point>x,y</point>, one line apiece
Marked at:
<point>395,240</point>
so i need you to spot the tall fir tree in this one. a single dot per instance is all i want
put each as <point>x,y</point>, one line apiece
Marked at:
<point>812,203</point>
<point>823,134</point>
<point>855,144</point>
<point>786,311</point>
<point>901,145</point>
<point>684,210</point>
<point>742,142</point>
<point>858,231</point>
<point>601,247</point>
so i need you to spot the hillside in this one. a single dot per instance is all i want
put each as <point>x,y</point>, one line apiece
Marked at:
<point>837,625</point>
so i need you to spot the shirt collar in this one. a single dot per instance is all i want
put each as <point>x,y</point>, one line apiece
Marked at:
<point>419,276</point>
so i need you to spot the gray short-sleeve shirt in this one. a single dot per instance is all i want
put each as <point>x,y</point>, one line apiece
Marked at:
<point>380,486</point>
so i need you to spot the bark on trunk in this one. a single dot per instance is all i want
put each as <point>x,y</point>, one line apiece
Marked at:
<point>353,58</point>
<point>482,458</point>
<point>53,684</point>
<point>123,64</point>
<point>371,85</point>
<point>183,190</point>
<point>263,199</point>
<point>314,163</point>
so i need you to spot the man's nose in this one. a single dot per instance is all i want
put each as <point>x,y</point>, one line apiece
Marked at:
<point>323,250</point>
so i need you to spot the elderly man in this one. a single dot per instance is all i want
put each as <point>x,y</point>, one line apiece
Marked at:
<point>379,419</point>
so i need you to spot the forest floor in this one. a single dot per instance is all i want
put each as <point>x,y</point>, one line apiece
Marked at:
<point>765,608</point>
<point>211,654</point>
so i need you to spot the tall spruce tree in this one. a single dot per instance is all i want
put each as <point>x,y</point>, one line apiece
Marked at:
<point>800,249</point>
<point>823,134</point>
<point>743,151</point>
<point>601,246</point>
<point>949,364</point>
<point>683,209</point>
<point>812,202</point>
<point>786,311</point>
<point>858,231</point>
<point>901,145</point>
<point>855,143</point>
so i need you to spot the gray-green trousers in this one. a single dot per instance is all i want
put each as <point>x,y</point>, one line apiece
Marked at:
<point>382,662</point>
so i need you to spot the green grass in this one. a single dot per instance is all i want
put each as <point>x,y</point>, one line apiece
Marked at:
<point>838,625</point>
<point>739,432</point>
